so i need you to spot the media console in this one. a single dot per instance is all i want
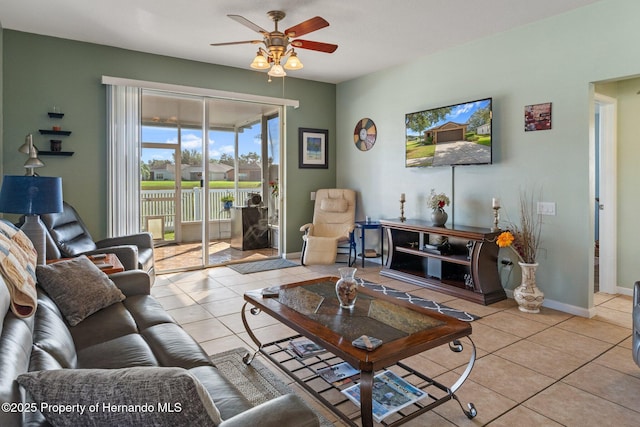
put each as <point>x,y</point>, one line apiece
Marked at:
<point>460,261</point>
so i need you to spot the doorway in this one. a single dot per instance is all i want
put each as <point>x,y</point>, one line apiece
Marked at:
<point>605,200</point>
<point>205,162</point>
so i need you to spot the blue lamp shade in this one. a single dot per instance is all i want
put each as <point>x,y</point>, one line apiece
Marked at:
<point>31,195</point>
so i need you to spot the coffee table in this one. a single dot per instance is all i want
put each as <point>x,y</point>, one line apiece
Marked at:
<point>312,309</point>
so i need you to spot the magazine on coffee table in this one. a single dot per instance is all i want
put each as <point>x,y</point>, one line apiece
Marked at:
<point>390,394</point>
<point>304,347</point>
<point>338,374</point>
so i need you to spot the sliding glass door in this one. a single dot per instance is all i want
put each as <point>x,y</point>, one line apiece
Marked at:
<point>209,179</point>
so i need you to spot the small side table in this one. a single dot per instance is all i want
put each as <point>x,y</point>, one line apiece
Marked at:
<point>363,226</point>
<point>109,264</point>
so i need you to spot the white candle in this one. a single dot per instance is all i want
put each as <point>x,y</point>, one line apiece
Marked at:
<point>495,202</point>
<point>402,199</point>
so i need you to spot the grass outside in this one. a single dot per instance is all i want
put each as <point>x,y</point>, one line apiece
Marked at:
<point>484,140</point>
<point>214,185</point>
<point>417,151</point>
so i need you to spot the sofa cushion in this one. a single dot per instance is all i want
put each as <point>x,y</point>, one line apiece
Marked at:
<point>50,334</point>
<point>173,346</point>
<point>122,352</point>
<point>104,325</point>
<point>171,396</point>
<point>78,287</point>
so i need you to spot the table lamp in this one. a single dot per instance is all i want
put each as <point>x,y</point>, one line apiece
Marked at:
<point>32,196</point>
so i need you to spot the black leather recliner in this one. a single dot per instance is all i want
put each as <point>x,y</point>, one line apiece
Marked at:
<point>69,237</point>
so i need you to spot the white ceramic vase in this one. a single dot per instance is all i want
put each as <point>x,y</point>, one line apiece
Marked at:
<point>439,217</point>
<point>528,296</point>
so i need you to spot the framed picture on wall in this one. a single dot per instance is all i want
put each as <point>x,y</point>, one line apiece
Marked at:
<point>314,148</point>
<point>537,117</point>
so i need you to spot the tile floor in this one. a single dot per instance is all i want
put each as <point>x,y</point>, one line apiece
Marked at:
<point>547,369</point>
<point>185,255</point>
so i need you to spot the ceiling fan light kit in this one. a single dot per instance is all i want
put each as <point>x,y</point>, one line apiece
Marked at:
<point>260,62</point>
<point>278,45</point>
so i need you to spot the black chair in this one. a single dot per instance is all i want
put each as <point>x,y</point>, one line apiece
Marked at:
<point>69,237</point>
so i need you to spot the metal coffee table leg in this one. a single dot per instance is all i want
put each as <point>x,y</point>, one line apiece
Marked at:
<point>248,358</point>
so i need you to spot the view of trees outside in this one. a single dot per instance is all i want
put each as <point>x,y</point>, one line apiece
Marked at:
<point>158,165</point>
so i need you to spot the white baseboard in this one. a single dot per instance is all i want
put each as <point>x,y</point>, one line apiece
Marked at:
<point>560,306</point>
<point>624,291</point>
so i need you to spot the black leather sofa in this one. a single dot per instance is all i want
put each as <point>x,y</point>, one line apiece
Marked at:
<point>134,332</point>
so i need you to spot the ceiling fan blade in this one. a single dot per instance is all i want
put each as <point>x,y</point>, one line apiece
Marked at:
<point>244,21</point>
<point>306,27</point>
<point>311,45</point>
<point>242,42</point>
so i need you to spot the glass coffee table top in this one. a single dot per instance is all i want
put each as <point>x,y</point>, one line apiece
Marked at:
<point>371,316</point>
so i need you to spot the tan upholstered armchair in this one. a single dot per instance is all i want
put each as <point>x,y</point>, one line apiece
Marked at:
<point>332,228</point>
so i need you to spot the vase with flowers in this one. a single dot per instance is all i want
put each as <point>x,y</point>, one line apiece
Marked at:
<point>524,241</point>
<point>437,202</point>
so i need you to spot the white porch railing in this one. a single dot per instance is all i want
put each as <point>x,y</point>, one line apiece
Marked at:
<point>161,203</point>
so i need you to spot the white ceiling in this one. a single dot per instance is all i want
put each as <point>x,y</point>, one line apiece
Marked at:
<point>372,34</point>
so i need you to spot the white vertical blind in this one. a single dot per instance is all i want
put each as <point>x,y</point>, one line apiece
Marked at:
<point>123,160</point>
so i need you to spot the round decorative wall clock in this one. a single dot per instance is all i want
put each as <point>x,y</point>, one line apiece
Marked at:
<point>364,135</point>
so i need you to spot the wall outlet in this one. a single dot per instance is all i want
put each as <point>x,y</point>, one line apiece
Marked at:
<point>313,195</point>
<point>546,208</point>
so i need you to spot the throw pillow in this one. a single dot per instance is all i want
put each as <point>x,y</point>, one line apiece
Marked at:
<point>18,260</point>
<point>78,287</point>
<point>139,396</point>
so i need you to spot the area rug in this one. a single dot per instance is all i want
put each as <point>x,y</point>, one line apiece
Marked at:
<point>256,382</point>
<point>265,265</point>
<point>425,303</point>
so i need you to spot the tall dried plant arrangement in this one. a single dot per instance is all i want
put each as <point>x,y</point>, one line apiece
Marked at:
<point>524,238</point>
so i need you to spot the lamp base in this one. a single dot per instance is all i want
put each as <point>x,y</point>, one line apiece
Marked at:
<point>36,232</point>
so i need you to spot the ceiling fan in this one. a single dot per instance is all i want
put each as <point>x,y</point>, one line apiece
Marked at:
<point>278,45</point>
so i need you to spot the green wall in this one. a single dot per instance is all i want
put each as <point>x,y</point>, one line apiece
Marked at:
<point>40,72</point>
<point>554,60</point>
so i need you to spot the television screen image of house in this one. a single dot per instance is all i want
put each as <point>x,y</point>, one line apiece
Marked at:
<point>458,134</point>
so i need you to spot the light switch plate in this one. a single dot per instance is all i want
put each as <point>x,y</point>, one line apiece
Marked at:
<point>546,208</point>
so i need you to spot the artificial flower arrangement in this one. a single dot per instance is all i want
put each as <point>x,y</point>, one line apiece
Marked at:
<point>275,190</point>
<point>523,239</point>
<point>437,201</point>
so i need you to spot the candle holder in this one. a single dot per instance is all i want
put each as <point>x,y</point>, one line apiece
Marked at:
<point>402,217</point>
<point>496,218</point>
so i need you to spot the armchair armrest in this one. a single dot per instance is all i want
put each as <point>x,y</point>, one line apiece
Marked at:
<point>306,228</point>
<point>127,254</point>
<point>133,282</point>
<point>142,240</point>
<point>285,411</point>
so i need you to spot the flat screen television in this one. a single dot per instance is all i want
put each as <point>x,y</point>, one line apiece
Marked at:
<point>458,134</point>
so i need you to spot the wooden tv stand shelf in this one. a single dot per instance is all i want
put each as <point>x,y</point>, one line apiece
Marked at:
<point>466,268</point>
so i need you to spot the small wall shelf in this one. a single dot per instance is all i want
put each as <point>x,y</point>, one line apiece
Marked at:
<point>55,132</point>
<point>55,153</point>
